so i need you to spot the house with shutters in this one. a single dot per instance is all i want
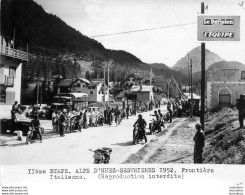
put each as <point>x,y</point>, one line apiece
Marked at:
<point>94,89</point>
<point>11,63</point>
<point>143,92</point>
<point>225,83</point>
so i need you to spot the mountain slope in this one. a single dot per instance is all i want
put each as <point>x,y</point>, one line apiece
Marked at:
<point>38,28</point>
<point>195,55</point>
<point>48,35</point>
<point>163,70</point>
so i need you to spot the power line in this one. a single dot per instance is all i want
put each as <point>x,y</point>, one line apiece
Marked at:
<point>141,30</point>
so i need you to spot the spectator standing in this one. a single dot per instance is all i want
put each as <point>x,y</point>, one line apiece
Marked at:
<point>199,140</point>
<point>61,121</point>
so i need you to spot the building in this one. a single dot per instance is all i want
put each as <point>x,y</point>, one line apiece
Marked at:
<point>132,79</point>
<point>144,92</point>
<point>10,72</point>
<point>225,83</point>
<point>64,86</point>
<point>158,87</point>
<point>94,89</point>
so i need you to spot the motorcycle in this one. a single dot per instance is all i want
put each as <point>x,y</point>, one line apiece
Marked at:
<point>102,155</point>
<point>137,135</point>
<point>100,120</point>
<point>32,135</point>
<point>153,126</point>
<point>75,123</point>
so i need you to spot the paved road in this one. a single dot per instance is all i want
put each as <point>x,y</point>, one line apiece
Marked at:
<point>74,147</point>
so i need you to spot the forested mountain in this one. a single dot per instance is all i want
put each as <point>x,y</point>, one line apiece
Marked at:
<point>29,23</point>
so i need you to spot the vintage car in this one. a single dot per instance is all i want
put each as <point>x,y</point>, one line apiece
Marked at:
<point>19,123</point>
<point>26,109</point>
<point>39,109</point>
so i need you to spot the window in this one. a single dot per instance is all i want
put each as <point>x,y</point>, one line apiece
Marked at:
<point>84,86</point>
<point>78,85</point>
<point>93,87</point>
<point>243,75</point>
<point>91,92</point>
<point>89,87</point>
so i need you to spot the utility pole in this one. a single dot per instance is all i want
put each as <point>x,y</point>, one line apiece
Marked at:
<point>191,88</point>
<point>104,87</point>
<point>110,62</point>
<point>168,90</point>
<point>37,90</point>
<point>150,77</point>
<point>188,67</point>
<point>41,94</point>
<point>202,76</point>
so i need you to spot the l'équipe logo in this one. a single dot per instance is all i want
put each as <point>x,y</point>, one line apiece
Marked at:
<point>210,21</point>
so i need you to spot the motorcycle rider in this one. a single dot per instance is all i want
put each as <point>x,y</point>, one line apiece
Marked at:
<point>14,109</point>
<point>35,124</point>
<point>161,118</point>
<point>142,124</point>
<point>158,121</point>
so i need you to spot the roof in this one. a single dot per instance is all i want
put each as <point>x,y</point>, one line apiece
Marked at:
<point>98,80</point>
<point>145,88</point>
<point>131,75</point>
<point>158,79</point>
<point>94,83</point>
<point>78,95</point>
<point>82,79</point>
<point>195,96</point>
<point>65,83</point>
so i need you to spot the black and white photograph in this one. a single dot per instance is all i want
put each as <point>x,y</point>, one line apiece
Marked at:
<point>122,82</point>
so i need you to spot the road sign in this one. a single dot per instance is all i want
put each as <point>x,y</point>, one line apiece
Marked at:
<point>218,28</point>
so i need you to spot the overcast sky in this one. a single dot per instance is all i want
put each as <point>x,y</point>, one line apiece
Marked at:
<point>164,45</point>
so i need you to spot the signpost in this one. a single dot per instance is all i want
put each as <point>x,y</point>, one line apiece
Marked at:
<point>214,28</point>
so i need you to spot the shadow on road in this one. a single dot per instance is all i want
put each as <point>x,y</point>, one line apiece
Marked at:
<point>129,143</point>
<point>7,142</point>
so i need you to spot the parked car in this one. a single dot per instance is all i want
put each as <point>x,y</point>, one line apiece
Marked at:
<point>48,111</point>
<point>39,110</point>
<point>26,109</point>
<point>20,122</point>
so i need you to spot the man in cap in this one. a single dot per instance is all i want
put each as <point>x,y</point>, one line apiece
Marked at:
<point>61,121</point>
<point>199,140</point>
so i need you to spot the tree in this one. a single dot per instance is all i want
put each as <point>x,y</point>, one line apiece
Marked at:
<point>87,75</point>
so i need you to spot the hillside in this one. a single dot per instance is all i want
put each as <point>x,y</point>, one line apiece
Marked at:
<point>225,142</point>
<point>38,28</point>
<point>48,35</point>
<point>195,55</point>
<point>162,69</point>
